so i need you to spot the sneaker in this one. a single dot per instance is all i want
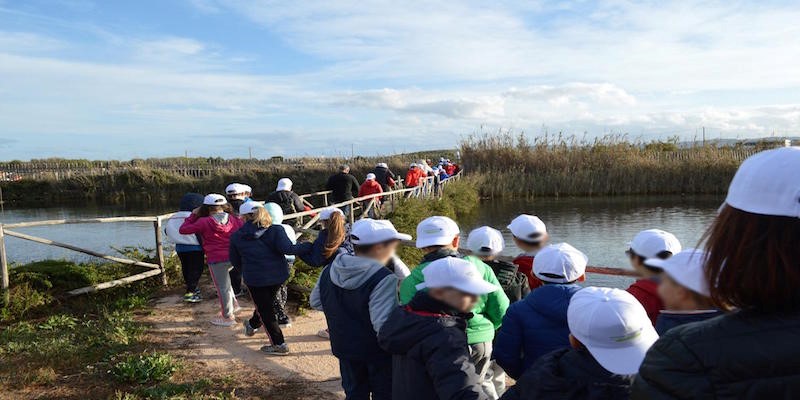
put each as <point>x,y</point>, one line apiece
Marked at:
<point>222,321</point>
<point>323,333</point>
<point>240,293</point>
<point>192,297</point>
<point>286,323</point>
<point>279,350</point>
<point>248,329</point>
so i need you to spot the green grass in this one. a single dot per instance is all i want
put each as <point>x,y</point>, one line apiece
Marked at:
<point>144,368</point>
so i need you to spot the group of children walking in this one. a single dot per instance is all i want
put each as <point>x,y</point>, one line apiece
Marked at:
<point>455,325</point>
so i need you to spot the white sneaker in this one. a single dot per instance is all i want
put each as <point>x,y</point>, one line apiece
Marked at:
<point>222,321</point>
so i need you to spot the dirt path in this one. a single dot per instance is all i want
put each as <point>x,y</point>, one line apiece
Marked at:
<point>185,328</point>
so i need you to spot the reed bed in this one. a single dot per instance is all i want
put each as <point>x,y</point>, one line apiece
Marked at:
<point>509,165</point>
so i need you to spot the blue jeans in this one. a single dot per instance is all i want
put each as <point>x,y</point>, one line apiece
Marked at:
<point>360,379</point>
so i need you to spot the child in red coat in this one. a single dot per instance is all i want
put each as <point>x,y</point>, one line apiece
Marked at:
<point>371,186</point>
<point>650,244</point>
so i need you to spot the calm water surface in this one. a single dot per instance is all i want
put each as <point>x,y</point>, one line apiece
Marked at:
<point>600,227</point>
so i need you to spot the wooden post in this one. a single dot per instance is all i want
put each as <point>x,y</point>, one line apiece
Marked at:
<point>160,250</point>
<point>352,213</point>
<point>4,264</point>
<point>325,199</point>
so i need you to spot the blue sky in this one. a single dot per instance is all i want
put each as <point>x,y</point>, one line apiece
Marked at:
<point>123,79</point>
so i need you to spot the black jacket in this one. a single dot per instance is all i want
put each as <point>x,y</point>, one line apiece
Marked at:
<point>513,282</point>
<point>742,355</point>
<point>430,361</point>
<point>382,176</point>
<point>569,374</point>
<point>289,201</point>
<point>344,187</point>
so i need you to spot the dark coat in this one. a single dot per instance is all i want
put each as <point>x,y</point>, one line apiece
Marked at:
<point>667,320</point>
<point>343,187</point>
<point>289,201</point>
<point>431,357</point>
<point>569,374</point>
<point>741,355</point>
<point>513,282</point>
<point>534,327</point>
<point>260,253</point>
<point>382,176</point>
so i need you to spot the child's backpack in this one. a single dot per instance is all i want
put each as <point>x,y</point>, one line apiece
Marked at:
<point>513,282</point>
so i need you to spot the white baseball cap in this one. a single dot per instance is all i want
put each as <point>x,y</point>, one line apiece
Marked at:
<point>768,183</point>
<point>485,241</point>
<point>613,326</point>
<point>236,188</point>
<point>687,268</point>
<point>371,231</point>
<point>436,231</point>
<point>370,176</point>
<point>248,207</point>
<point>247,189</point>
<point>214,199</point>
<point>382,165</point>
<point>326,213</point>
<point>453,272</point>
<point>560,263</point>
<point>528,228</point>
<point>284,184</point>
<point>413,165</point>
<point>649,243</point>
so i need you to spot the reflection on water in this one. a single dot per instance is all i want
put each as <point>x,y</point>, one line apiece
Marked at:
<point>600,227</point>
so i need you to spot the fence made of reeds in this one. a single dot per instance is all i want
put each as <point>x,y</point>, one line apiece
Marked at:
<point>509,165</point>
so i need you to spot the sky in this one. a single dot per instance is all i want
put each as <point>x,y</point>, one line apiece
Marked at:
<point>114,79</point>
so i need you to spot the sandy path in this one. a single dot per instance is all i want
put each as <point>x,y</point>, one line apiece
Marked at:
<point>186,327</point>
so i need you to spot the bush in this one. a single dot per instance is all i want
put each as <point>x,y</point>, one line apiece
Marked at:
<point>144,368</point>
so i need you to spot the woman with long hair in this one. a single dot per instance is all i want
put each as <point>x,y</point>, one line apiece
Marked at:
<point>259,249</point>
<point>214,223</point>
<point>331,240</point>
<point>753,268</point>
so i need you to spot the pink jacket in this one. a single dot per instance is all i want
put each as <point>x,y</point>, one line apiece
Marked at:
<point>215,236</point>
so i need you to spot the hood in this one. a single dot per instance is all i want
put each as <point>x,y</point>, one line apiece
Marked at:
<point>350,272</point>
<point>190,201</point>
<point>275,212</point>
<point>409,325</point>
<point>552,300</point>
<point>574,374</point>
<point>250,231</point>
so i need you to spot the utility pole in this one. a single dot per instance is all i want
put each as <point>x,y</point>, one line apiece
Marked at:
<point>352,151</point>
<point>704,136</point>
<point>250,152</point>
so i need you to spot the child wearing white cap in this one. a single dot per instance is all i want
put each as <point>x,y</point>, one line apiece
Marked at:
<point>357,293</point>
<point>438,237</point>
<point>370,187</point>
<point>537,325</point>
<point>683,290</point>
<point>650,244</point>
<point>283,196</point>
<point>487,243</point>
<point>530,236</point>
<point>214,222</point>
<point>428,337</point>
<point>609,334</point>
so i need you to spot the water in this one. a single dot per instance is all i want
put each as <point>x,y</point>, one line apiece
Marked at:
<point>600,227</point>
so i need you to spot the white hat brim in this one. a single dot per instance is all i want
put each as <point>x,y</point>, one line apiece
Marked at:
<point>625,360</point>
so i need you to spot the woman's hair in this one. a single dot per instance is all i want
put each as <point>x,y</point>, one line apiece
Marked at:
<point>754,261</point>
<point>260,217</point>
<point>206,210</point>
<point>336,233</point>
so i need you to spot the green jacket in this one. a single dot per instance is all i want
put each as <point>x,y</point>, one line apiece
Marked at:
<point>489,310</point>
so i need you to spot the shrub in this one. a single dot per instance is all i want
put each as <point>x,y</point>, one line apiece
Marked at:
<point>144,368</point>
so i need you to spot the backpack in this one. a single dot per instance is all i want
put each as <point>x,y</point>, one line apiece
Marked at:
<point>513,282</point>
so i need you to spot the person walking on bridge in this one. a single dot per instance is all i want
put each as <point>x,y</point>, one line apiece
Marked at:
<point>288,200</point>
<point>384,176</point>
<point>343,187</point>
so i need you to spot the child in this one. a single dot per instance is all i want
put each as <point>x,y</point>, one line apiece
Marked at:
<point>428,337</point>
<point>371,186</point>
<point>331,240</point>
<point>413,176</point>
<point>258,248</point>
<point>609,336</point>
<point>214,223</point>
<point>530,236</point>
<point>650,244</point>
<point>276,214</point>
<point>683,290</point>
<point>487,243</point>
<point>357,294</point>
<point>188,247</point>
<point>288,200</point>
<point>237,194</point>
<point>537,325</point>
<point>438,237</point>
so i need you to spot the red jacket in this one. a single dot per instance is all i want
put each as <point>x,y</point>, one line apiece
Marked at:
<point>646,291</point>
<point>450,169</point>
<point>525,265</point>
<point>413,176</point>
<point>370,187</point>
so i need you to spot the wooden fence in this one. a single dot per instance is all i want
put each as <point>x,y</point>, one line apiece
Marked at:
<point>427,188</point>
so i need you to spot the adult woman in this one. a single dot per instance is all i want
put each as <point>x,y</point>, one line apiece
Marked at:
<point>754,267</point>
<point>259,249</point>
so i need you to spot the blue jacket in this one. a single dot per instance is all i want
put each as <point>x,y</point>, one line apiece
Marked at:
<point>260,253</point>
<point>669,319</point>
<point>533,327</point>
<point>315,259</point>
